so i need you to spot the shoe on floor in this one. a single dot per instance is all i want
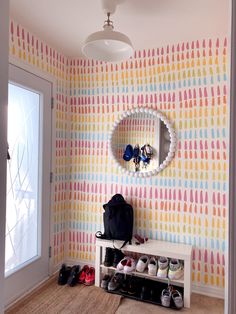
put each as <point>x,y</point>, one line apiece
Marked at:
<point>177,299</point>
<point>109,257</point>
<point>152,266</point>
<point>90,277</point>
<point>118,256</point>
<point>166,297</point>
<point>129,266</point>
<point>73,278</point>
<point>105,281</point>
<point>64,274</point>
<point>142,263</point>
<point>162,267</point>
<point>176,270</point>
<point>82,274</point>
<point>115,282</point>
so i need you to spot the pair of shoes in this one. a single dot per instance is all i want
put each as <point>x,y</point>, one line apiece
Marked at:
<point>149,263</point>
<point>175,295</point>
<point>87,275</point>
<point>64,274</point>
<point>127,264</point>
<point>139,239</point>
<point>130,285</point>
<point>68,275</point>
<point>174,268</point>
<point>115,282</point>
<point>112,257</point>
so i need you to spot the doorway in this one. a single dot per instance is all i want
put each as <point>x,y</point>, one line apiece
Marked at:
<point>28,182</point>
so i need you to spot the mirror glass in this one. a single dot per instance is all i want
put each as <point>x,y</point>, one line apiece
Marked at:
<point>142,142</point>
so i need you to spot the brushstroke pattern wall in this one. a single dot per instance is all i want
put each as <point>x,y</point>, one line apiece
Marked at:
<point>188,201</point>
<point>31,50</point>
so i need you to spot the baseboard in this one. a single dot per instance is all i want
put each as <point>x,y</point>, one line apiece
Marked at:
<point>29,292</point>
<point>209,291</point>
<point>71,262</point>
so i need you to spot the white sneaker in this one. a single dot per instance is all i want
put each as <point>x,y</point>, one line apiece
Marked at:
<point>142,263</point>
<point>122,263</point>
<point>177,299</point>
<point>176,270</point>
<point>152,267</point>
<point>130,265</point>
<point>162,267</point>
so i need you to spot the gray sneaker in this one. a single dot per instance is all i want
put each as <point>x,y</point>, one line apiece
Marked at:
<point>177,299</point>
<point>115,282</point>
<point>105,281</point>
<point>166,297</point>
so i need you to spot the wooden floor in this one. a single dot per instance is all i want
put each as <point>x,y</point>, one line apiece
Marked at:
<point>71,300</point>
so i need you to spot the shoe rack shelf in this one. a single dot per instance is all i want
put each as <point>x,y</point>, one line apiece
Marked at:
<point>179,283</point>
<point>182,252</point>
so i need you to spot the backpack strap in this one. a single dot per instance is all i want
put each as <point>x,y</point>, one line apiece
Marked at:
<point>125,242</point>
<point>100,235</point>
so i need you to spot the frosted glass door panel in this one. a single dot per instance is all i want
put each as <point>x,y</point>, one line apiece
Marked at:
<point>22,223</point>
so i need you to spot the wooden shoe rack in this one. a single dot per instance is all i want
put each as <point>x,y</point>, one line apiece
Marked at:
<point>155,248</point>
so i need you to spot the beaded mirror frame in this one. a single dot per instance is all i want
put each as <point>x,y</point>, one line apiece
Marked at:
<point>153,114</point>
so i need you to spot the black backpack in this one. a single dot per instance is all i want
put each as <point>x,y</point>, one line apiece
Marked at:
<point>118,220</point>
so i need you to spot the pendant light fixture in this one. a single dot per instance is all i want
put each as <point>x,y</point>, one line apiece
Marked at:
<point>108,45</point>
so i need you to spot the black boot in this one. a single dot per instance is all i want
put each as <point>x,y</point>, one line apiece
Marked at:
<point>118,256</point>
<point>109,257</point>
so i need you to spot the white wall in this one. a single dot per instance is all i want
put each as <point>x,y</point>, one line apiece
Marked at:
<point>4,22</point>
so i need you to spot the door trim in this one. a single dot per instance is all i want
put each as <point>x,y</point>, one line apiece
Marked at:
<point>48,77</point>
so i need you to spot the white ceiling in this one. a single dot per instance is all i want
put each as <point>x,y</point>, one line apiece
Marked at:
<point>149,23</point>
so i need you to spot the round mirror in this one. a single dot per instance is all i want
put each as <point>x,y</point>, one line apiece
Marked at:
<point>142,142</point>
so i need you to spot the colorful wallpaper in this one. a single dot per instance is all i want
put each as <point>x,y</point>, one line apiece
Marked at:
<point>188,201</point>
<point>31,50</point>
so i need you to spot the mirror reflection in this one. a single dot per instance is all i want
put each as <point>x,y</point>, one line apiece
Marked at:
<point>141,142</point>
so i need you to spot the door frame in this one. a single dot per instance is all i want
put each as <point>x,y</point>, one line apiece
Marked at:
<point>46,76</point>
<point>4,39</point>
<point>231,274</point>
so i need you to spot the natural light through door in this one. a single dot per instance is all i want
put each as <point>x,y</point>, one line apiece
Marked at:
<point>27,245</point>
<point>22,243</point>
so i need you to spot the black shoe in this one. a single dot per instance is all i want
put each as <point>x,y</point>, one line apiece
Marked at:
<point>133,286</point>
<point>73,278</point>
<point>105,281</point>
<point>64,274</point>
<point>109,257</point>
<point>145,293</point>
<point>118,256</point>
<point>124,286</point>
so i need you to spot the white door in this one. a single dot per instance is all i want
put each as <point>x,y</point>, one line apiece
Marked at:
<point>28,182</point>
